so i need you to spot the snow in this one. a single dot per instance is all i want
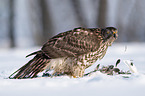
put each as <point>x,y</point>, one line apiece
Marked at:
<point>96,85</point>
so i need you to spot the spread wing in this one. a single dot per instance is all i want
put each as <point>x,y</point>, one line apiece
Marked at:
<point>72,43</point>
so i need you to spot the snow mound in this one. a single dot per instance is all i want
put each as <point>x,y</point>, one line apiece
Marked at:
<point>96,84</point>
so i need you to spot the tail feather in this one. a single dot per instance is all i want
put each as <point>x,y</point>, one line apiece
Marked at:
<point>39,67</point>
<point>23,71</point>
<point>32,68</point>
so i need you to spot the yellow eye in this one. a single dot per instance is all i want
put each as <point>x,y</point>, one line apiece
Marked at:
<point>108,32</point>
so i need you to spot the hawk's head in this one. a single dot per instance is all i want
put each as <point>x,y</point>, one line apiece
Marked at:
<point>109,34</point>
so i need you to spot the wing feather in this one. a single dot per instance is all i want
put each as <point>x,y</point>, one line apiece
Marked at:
<point>72,43</point>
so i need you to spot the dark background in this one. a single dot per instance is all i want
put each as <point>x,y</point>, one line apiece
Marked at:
<point>26,23</point>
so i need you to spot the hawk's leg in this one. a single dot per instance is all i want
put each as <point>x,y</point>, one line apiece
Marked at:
<point>78,71</point>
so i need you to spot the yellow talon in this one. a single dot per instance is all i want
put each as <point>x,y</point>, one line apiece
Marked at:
<point>74,77</point>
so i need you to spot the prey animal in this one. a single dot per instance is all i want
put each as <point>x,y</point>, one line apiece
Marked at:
<point>69,53</point>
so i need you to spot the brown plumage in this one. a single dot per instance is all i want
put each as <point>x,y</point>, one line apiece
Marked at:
<point>69,52</point>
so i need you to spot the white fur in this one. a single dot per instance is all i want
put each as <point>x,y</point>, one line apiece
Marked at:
<point>54,63</point>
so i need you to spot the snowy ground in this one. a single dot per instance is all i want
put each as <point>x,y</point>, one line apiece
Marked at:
<point>98,85</point>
